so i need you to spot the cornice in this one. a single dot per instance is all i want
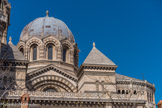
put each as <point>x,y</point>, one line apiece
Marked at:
<point>142,83</point>
<point>16,62</point>
<point>95,67</point>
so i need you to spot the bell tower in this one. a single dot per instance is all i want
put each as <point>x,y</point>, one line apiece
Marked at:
<point>4,21</point>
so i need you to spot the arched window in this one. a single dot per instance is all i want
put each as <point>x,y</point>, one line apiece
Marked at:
<point>50,52</point>
<point>151,99</point>
<point>147,96</point>
<point>33,52</point>
<point>123,91</point>
<point>118,91</point>
<point>66,54</point>
<point>22,50</point>
<point>135,92</point>
<point>75,58</point>
<point>1,4</point>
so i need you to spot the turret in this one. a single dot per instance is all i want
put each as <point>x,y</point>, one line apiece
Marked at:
<point>4,21</point>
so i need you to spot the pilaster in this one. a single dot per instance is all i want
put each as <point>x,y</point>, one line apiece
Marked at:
<point>59,56</point>
<point>41,53</point>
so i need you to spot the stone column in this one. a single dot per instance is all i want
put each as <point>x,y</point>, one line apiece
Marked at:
<point>140,106</point>
<point>59,54</point>
<point>71,57</point>
<point>41,52</point>
<point>145,91</point>
<point>108,105</point>
<point>4,37</point>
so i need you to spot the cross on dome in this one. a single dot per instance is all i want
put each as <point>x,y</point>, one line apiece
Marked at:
<point>10,39</point>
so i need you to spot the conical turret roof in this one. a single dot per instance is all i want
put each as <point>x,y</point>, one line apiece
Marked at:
<point>96,57</point>
<point>11,52</point>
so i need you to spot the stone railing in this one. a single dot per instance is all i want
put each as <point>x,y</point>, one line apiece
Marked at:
<point>56,94</point>
<point>127,96</point>
<point>73,96</point>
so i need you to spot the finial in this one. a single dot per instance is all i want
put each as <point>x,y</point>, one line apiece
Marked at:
<point>10,39</point>
<point>94,45</point>
<point>153,84</point>
<point>47,13</point>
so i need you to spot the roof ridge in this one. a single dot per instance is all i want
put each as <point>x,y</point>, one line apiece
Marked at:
<point>124,76</point>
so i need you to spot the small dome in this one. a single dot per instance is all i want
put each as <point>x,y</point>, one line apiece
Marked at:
<point>47,26</point>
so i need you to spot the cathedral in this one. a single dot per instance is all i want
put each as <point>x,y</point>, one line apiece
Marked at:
<point>42,71</point>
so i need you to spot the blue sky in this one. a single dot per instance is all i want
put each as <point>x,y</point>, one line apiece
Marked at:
<point>129,32</point>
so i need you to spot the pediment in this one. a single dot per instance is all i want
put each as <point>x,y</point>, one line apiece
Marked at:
<point>49,68</point>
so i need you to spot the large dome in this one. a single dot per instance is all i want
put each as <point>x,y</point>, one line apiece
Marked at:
<point>47,26</point>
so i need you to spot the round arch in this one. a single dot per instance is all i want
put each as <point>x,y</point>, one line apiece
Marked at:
<point>30,43</point>
<point>60,83</point>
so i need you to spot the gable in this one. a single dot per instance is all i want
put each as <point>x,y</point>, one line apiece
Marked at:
<point>50,70</point>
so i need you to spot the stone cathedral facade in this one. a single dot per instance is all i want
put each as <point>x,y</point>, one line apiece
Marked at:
<point>42,71</point>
